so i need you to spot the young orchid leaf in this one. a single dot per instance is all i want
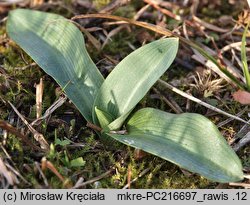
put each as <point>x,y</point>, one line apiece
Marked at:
<point>57,46</point>
<point>103,117</point>
<point>131,79</point>
<point>244,57</point>
<point>188,140</point>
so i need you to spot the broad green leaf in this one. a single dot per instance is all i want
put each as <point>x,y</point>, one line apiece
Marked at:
<point>189,140</point>
<point>131,79</point>
<point>57,46</point>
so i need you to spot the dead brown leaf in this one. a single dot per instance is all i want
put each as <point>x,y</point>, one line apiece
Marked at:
<point>242,97</point>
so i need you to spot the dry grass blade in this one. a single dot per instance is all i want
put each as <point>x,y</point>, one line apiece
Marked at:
<point>106,174</point>
<point>42,174</point>
<point>39,98</point>
<point>135,179</point>
<point>152,27</point>
<point>90,37</point>
<point>129,177</point>
<point>17,173</point>
<point>210,65</point>
<point>199,57</point>
<point>165,84</point>
<point>38,136</point>
<point>230,119</point>
<point>209,26</point>
<point>11,2</point>
<point>140,12</point>
<point>48,165</point>
<point>176,108</point>
<point>9,128</point>
<point>7,174</point>
<point>244,185</point>
<point>113,33</point>
<point>113,5</point>
<point>230,46</point>
<point>34,3</point>
<point>58,103</point>
<point>166,32</point>
<point>243,142</point>
<point>154,4</point>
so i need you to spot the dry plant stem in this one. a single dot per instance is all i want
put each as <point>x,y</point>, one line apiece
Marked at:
<point>13,168</point>
<point>90,37</point>
<point>7,174</point>
<point>7,3</point>
<point>39,137</point>
<point>211,65</point>
<point>230,119</point>
<point>94,127</point>
<point>112,33</point>
<point>243,142</point>
<point>230,46</point>
<point>9,128</point>
<point>3,20</point>
<point>166,32</point>
<point>165,84</point>
<point>106,174</point>
<point>140,12</point>
<point>113,5</point>
<point>58,103</point>
<point>17,173</point>
<point>135,179</point>
<point>244,185</point>
<point>42,174</point>
<point>79,181</point>
<point>47,164</point>
<point>129,177</point>
<point>6,153</point>
<point>209,26</point>
<point>173,106</point>
<point>39,98</point>
<point>154,4</point>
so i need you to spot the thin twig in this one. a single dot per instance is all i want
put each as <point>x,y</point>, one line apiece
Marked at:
<point>9,128</point>
<point>174,106</point>
<point>209,26</point>
<point>79,181</point>
<point>6,173</point>
<point>135,179</point>
<point>17,173</point>
<point>42,174</point>
<point>58,103</point>
<point>230,119</point>
<point>155,4</point>
<point>194,99</point>
<point>94,127</point>
<point>140,12</point>
<point>39,98</point>
<point>113,5</point>
<point>247,186</point>
<point>45,164</point>
<point>243,142</point>
<point>93,180</point>
<point>38,136</point>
